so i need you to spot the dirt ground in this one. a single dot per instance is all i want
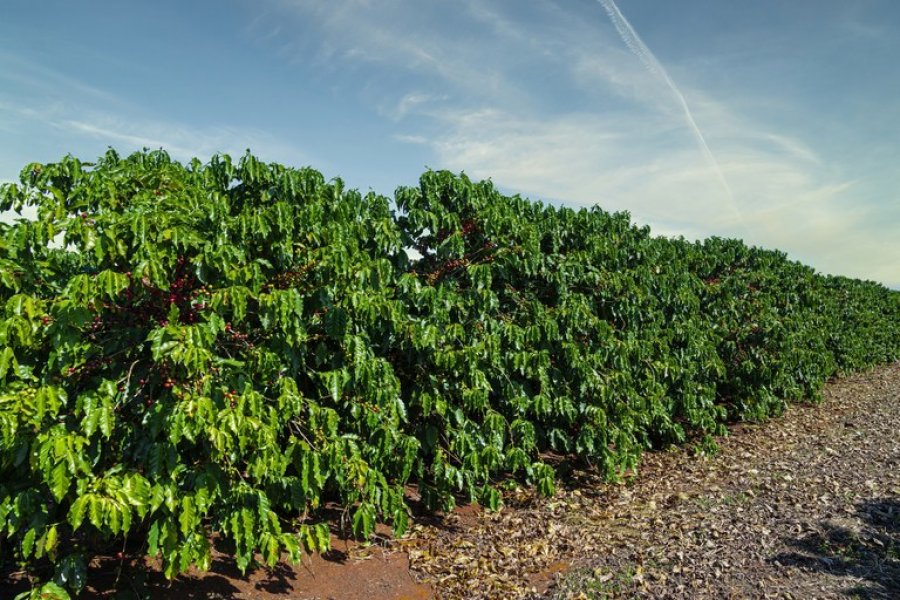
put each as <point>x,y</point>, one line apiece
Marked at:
<point>803,506</point>
<point>349,571</point>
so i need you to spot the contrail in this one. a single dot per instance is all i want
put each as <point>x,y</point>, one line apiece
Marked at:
<point>637,46</point>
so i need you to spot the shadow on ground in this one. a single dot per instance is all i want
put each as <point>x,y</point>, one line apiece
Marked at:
<point>865,547</point>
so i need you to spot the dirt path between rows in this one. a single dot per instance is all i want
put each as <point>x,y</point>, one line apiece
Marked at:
<point>804,506</point>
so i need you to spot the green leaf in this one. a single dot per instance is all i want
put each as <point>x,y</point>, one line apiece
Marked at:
<point>77,511</point>
<point>364,520</point>
<point>111,284</point>
<point>50,540</point>
<point>71,571</point>
<point>60,481</point>
<point>28,543</point>
<point>153,539</point>
<point>48,591</point>
<point>7,362</point>
<point>322,537</point>
<point>187,517</point>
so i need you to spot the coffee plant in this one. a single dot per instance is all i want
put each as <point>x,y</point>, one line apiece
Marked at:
<point>223,350</point>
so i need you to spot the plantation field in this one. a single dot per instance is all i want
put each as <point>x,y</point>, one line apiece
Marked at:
<point>246,353</point>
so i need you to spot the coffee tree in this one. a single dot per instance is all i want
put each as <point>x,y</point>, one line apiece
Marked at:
<point>223,349</point>
<point>188,350</point>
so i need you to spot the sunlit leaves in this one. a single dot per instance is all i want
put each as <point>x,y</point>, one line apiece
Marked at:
<point>225,348</point>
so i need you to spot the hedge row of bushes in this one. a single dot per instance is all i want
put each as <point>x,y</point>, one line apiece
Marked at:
<point>225,347</point>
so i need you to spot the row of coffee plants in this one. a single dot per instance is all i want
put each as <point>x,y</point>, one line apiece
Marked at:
<point>222,349</point>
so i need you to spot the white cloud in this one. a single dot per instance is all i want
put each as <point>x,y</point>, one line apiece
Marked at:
<point>412,139</point>
<point>30,75</point>
<point>632,150</point>
<point>786,200</point>
<point>393,35</point>
<point>78,110</point>
<point>409,103</point>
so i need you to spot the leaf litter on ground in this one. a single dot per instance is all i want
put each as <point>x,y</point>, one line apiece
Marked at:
<point>806,505</point>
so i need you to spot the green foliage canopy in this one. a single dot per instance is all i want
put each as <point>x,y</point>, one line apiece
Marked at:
<point>226,347</point>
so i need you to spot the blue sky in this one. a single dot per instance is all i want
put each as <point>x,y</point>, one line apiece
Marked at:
<point>776,122</point>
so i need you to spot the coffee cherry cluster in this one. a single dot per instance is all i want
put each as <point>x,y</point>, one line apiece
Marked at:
<point>184,292</point>
<point>291,279</point>
<point>446,268</point>
<point>88,368</point>
<point>231,397</point>
<point>468,227</point>
<point>28,393</point>
<point>142,304</point>
<point>238,336</point>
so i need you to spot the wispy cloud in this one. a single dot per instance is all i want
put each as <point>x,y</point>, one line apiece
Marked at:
<point>410,103</point>
<point>605,131</point>
<point>391,35</point>
<point>73,107</point>
<point>646,56</point>
<point>586,158</point>
<point>35,77</point>
<point>790,203</point>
